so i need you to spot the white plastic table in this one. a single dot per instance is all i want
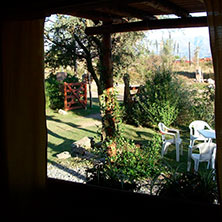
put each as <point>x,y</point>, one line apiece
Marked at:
<point>208,134</point>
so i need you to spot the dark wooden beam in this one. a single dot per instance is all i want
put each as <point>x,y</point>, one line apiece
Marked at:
<point>95,16</point>
<point>128,7</point>
<point>107,61</point>
<point>108,11</point>
<point>149,25</point>
<point>166,6</point>
<point>125,11</point>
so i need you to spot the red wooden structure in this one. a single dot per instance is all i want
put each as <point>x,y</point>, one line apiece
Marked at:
<point>75,96</point>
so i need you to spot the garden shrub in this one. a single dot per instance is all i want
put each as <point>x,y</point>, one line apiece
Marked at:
<point>161,99</point>
<point>203,106</point>
<point>129,165</point>
<point>54,90</point>
<point>194,186</point>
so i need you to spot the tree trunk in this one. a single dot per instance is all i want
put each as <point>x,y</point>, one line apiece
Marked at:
<point>127,98</point>
<point>90,89</point>
<point>105,88</point>
<point>108,118</point>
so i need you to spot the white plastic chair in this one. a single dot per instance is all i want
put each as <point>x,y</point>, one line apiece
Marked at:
<point>166,142</point>
<point>194,134</point>
<point>207,153</point>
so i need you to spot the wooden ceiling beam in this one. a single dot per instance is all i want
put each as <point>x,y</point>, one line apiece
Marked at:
<point>128,6</point>
<point>166,6</point>
<point>181,12</point>
<point>125,11</point>
<point>149,25</point>
<point>106,10</point>
<point>95,16</point>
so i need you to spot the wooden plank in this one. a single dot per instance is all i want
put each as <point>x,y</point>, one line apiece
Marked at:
<point>76,93</point>
<point>167,7</point>
<point>65,97</point>
<point>149,25</point>
<point>125,11</point>
<point>94,15</point>
<point>107,61</point>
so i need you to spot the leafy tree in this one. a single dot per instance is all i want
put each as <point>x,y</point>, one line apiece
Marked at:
<point>67,43</point>
<point>166,53</point>
<point>126,48</point>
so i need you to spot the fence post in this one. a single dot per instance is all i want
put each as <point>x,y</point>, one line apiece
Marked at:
<point>65,97</point>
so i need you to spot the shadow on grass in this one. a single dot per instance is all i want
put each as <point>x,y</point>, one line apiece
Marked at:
<point>142,134</point>
<point>52,118</point>
<point>89,111</point>
<point>170,159</point>
<point>66,144</point>
<point>192,75</point>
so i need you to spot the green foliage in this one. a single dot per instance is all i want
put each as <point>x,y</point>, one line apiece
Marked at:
<point>111,113</point>
<point>166,99</point>
<point>131,163</point>
<point>67,44</point>
<point>71,78</point>
<point>125,48</point>
<point>166,54</point>
<point>54,93</point>
<point>159,100</point>
<point>54,90</point>
<point>199,186</point>
<point>203,106</point>
<point>62,49</point>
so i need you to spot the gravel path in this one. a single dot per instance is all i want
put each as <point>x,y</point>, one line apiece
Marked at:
<point>58,171</point>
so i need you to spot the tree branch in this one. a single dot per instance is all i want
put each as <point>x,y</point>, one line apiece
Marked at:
<point>89,64</point>
<point>52,41</point>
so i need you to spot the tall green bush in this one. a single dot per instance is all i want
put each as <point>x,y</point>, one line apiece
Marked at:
<point>161,99</point>
<point>54,90</point>
<point>203,106</point>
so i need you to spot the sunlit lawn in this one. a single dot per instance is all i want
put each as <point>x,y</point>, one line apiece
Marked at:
<point>63,130</point>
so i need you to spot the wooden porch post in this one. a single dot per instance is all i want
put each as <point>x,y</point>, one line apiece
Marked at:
<point>109,103</point>
<point>107,61</point>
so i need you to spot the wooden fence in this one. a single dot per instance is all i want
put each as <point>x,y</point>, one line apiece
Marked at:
<point>75,96</point>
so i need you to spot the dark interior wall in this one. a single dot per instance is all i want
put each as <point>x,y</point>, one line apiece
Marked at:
<point>23,105</point>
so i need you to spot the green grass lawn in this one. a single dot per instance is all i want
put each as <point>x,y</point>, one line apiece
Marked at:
<point>63,130</point>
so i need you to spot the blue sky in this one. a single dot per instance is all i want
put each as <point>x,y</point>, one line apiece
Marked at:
<point>196,37</point>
